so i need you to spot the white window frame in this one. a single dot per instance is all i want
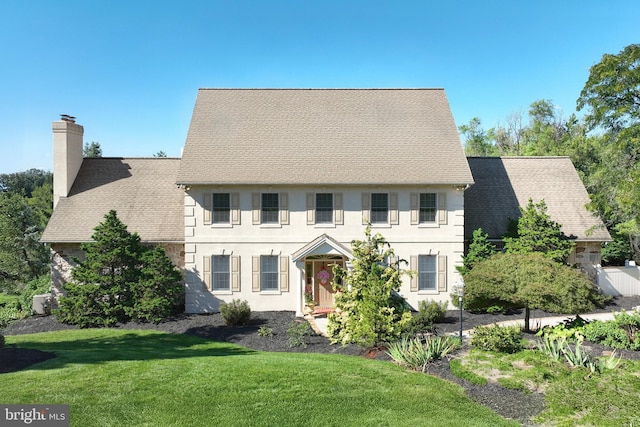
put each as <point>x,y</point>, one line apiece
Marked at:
<point>264,273</point>
<point>215,274</point>
<point>422,287</point>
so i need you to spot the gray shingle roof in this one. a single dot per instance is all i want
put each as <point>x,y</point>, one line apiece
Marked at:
<point>141,190</point>
<point>502,184</point>
<point>323,136</point>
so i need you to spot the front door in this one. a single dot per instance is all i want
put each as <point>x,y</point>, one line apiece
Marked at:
<point>323,282</point>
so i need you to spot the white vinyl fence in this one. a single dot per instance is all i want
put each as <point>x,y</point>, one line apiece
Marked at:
<point>619,281</point>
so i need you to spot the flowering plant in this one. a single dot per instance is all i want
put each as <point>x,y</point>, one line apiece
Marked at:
<point>308,295</point>
<point>323,275</point>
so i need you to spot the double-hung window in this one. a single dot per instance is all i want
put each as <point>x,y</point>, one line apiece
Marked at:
<point>324,208</point>
<point>270,208</point>
<point>427,272</point>
<point>220,273</point>
<point>269,273</point>
<point>221,208</point>
<point>428,207</point>
<point>379,208</point>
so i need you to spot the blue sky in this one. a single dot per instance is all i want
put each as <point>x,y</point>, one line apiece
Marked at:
<point>129,70</point>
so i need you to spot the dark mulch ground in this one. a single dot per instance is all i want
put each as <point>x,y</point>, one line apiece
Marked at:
<point>508,403</point>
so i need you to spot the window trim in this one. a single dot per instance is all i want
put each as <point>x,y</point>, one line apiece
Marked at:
<point>214,272</point>
<point>227,210</point>
<point>433,272</point>
<point>275,211</point>
<point>435,208</point>
<point>275,273</point>
<point>330,210</point>
<point>379,209</point>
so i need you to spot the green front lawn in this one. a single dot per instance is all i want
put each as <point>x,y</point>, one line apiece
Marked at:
<point>147,378</point>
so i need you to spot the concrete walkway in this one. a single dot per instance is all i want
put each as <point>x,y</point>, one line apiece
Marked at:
<point>319,324</point>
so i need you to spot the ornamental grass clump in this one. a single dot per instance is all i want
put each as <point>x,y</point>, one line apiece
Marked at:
<point>417,354</point>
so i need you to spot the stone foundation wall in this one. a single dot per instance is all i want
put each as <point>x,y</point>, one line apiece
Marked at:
<point>61,265</point>
<point>586,256</point>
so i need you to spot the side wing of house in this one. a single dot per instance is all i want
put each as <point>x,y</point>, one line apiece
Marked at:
<point>503,184</point>
<point>141,190</point>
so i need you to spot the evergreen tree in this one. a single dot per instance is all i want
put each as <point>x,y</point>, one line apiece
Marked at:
<point>480,249</point>
<point>369,310</point>
<point>120,279</point>
<point>537,232</point>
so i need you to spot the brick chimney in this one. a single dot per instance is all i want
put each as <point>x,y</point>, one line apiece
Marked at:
<point>67,155</point>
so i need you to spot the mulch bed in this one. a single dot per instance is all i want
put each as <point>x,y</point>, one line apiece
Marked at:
<point>509,403</point>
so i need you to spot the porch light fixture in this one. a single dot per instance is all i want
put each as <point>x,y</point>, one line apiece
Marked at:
<point>459,289</point>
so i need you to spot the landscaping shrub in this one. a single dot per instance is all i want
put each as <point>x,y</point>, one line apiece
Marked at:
<point>503,339</point>
<point>236,312</point>
<point>1,340</point>
<point>417,354</point>
<point>265,331</point>
<point>429,312</point>
<point>298,332</point>
<point>572,329</point>
<point>622,332</point>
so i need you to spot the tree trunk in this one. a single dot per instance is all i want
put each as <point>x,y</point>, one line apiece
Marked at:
<point>527,315</point>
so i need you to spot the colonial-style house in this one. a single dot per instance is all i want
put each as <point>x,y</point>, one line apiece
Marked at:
<point>272,187</point>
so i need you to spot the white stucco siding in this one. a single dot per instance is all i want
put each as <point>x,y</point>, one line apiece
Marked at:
<point>246,240</point>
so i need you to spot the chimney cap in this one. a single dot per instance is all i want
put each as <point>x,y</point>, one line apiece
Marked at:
<point>68,118</point>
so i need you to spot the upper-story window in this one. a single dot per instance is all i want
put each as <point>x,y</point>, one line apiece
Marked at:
<point>379,208</point>
<point>221,209</point>
<point>324,208</point>
<point>428,207</point>
<point>269,208</point>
